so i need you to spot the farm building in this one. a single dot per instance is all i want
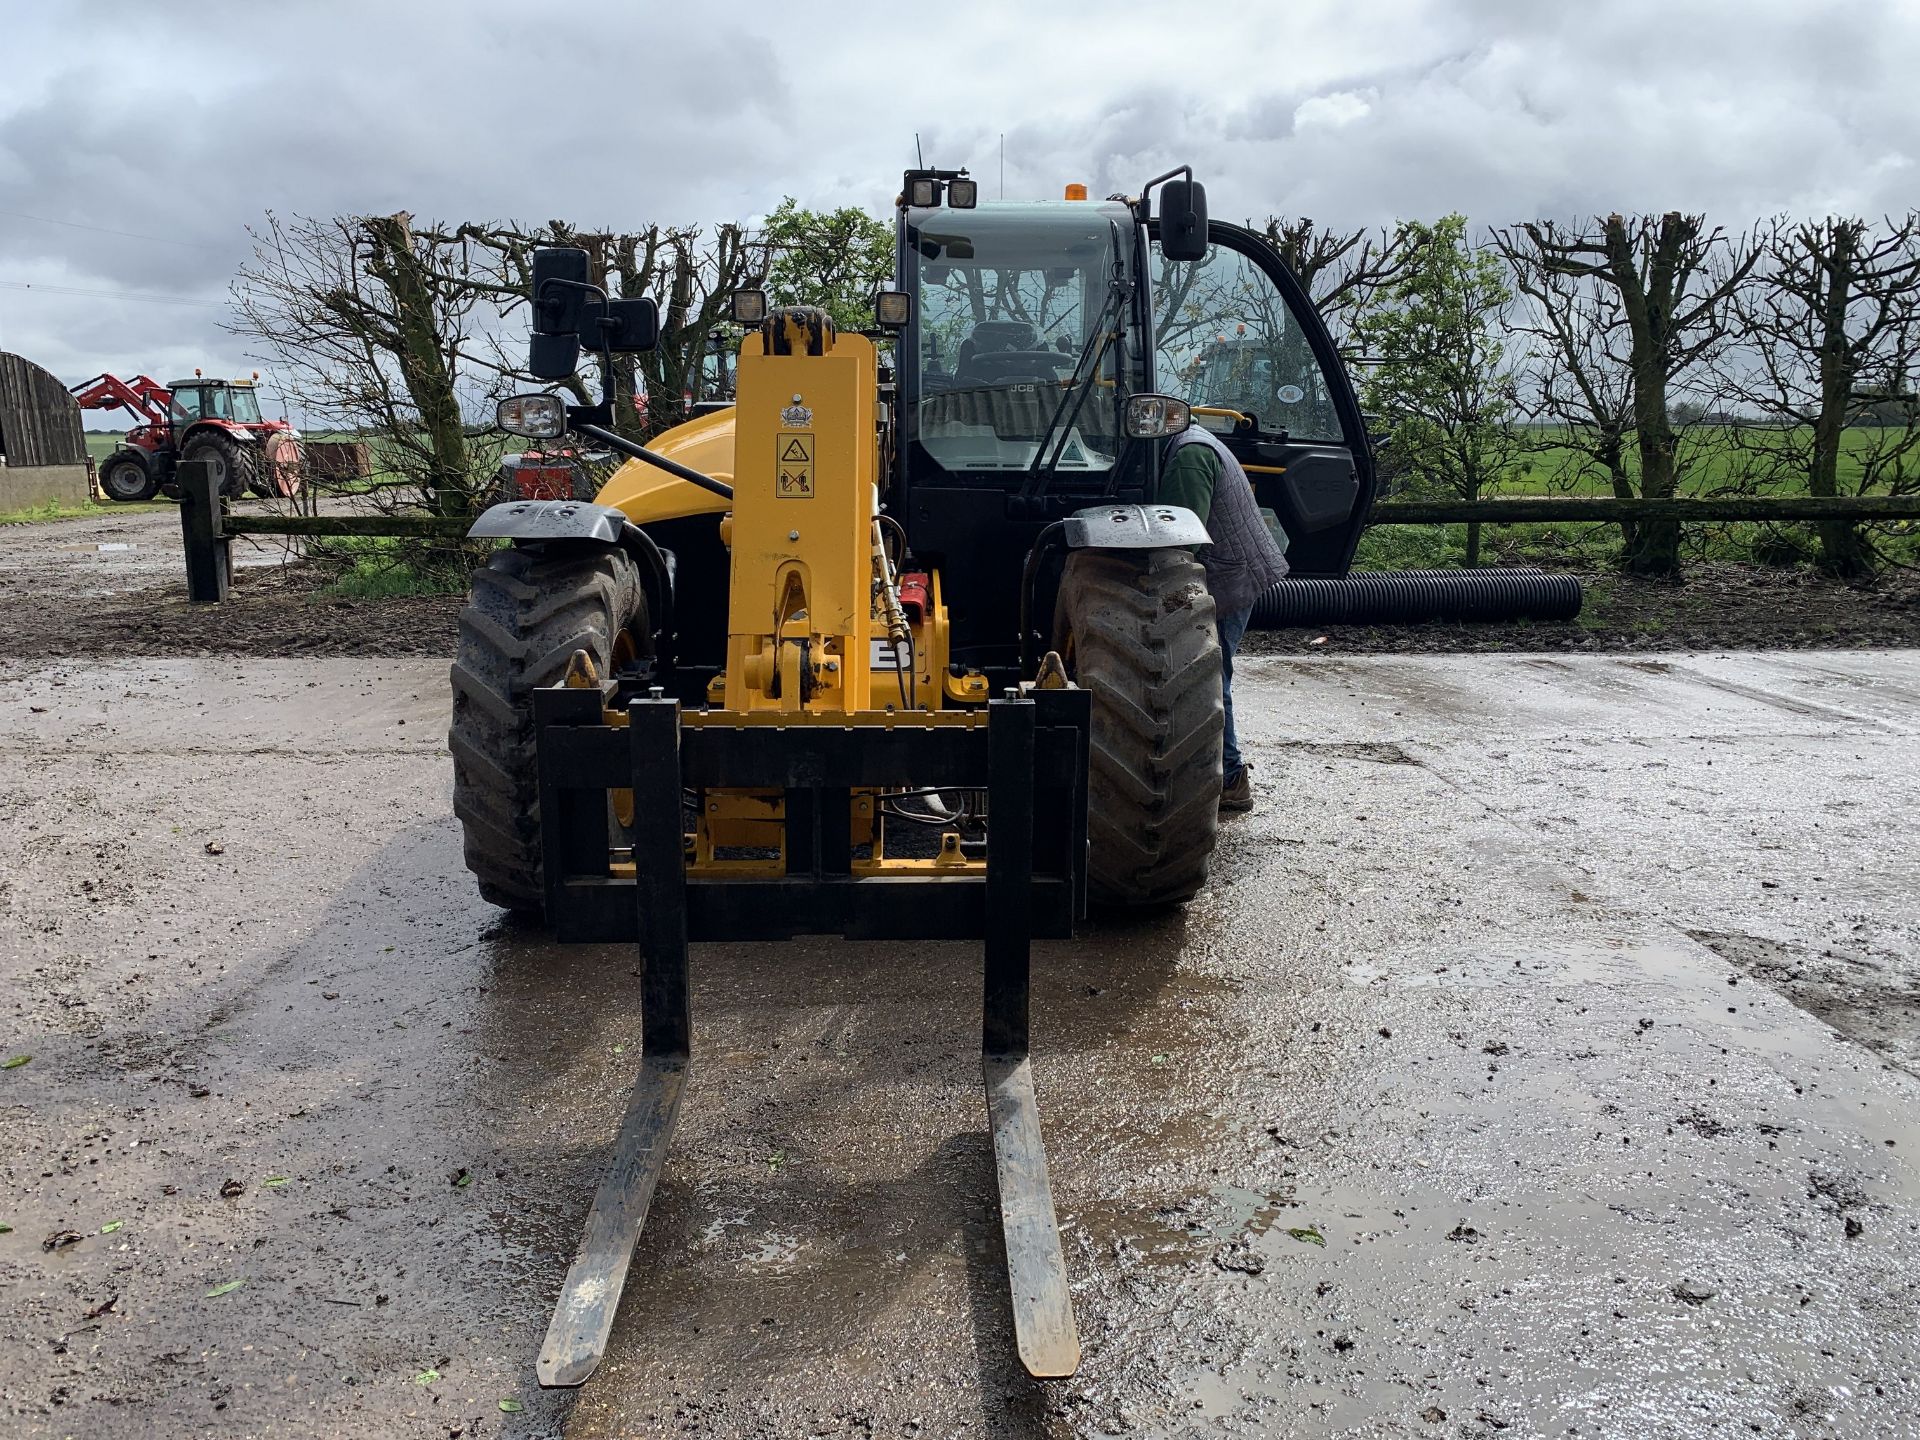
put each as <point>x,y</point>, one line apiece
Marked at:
<point>43,453</point>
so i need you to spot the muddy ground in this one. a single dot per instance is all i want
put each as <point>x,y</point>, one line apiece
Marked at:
<point>129,599</point>
<point>114,584</point>
<point>1540,1060</point>
<point>1543,1060</point>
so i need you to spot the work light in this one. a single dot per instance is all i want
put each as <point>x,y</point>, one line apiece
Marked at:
<point>747,307</point>
<point>1150,417</point>
<point>892,308</point>
<point>963,194</point>
<point>923,193</point>
<point>539,417</point>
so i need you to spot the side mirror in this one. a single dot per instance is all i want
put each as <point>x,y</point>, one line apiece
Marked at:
<point>559,290</point>
<point>625,326</point>
<point>1183,220</point>
<point>552,357</point>
<point>538,417</point>
<point>1153,417</point>
<point>559,296</point>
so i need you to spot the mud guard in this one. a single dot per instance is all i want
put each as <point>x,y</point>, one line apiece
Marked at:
<point>537,520</point>
<point>1134,527</point>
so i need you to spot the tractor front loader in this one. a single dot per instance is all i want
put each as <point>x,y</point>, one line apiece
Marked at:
<point>900,646</point>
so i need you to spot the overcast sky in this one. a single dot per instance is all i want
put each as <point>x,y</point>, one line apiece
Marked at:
<point>183,124</point>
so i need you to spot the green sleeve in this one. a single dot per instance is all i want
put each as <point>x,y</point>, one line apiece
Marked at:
<point>1189,479</point>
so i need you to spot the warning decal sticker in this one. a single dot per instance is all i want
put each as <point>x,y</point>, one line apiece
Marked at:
<point>793,464</point>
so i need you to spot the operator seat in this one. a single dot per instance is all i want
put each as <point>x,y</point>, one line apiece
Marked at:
<point>1002,379</point>
<point>990,338</point>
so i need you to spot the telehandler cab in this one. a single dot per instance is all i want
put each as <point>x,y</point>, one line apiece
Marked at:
<point>898,646</point>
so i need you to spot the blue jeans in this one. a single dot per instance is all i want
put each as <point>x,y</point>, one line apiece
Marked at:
<point>1232,628</point>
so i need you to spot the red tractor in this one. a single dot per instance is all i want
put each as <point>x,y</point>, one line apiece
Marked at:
<point>199,419</point>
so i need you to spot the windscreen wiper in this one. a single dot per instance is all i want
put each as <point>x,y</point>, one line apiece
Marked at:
<point>1074,397</point>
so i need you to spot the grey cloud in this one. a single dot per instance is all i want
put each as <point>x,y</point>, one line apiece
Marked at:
<point>1498,108</point>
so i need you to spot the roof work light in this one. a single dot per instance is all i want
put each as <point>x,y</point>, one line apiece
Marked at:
<point>747,306</point>
<point>892,308</point>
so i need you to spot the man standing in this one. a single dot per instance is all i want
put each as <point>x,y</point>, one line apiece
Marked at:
<point>1241,562</point>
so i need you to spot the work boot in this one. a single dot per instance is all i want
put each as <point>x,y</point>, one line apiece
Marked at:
<point>1237,794</point>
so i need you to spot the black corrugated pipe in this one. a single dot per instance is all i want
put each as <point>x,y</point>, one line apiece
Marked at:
<point>1413,597</point>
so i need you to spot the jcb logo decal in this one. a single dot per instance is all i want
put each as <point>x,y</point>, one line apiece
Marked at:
<point>793,465</point>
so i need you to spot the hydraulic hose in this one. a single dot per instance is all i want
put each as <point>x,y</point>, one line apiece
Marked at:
<point>614,441</point>
<point>1413,597</point>
<point>1047,540</point>
<point>660,593</point>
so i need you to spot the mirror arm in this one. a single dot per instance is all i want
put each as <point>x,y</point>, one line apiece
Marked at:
<point>1185,171</point>
<point>636,451</point>
<point>553,280</point>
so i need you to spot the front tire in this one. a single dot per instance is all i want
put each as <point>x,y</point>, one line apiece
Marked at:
<point>1137,630</point>
<point>126,478</point>
<point>529,610</point>
<point>235,465</point>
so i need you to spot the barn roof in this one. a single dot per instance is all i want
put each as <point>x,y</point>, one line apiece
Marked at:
<point>39,419</point>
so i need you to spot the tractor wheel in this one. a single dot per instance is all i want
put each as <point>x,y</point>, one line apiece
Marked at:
<point>528,611</point>
<point>234,464</point>
<point>125,477</point>
<point>1137,630</point>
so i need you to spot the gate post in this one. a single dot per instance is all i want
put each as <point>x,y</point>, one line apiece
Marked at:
<point>208,546</point>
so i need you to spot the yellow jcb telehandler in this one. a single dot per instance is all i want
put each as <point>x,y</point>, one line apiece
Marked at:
<point>898,646</point>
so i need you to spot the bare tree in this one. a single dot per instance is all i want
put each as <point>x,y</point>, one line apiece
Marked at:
<point>1831,343</point>
<point>688,274</point>
<point>1343,270</point>
<point>1574,384</point>
<point>374,332</point>
<point>1668,284</point>
<point>409,333</point>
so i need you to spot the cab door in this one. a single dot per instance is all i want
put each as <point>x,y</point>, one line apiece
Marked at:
<point>1237,338</point>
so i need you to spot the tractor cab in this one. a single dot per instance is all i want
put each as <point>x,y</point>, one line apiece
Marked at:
<point>234,401</point>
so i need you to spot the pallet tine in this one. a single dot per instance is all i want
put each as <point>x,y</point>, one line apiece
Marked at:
<point>1043,1323</point>
<point>583,1317</point>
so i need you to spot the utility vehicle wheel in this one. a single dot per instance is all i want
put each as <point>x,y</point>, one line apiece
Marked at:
<point>234,464</point>
<point>1136,628</point>
<point>125,477</point>
<point>528,611</point>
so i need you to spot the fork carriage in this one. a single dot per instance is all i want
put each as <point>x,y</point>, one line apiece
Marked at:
<point>822,789</point>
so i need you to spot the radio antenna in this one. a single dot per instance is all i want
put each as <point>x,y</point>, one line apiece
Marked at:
<point>919,155</point>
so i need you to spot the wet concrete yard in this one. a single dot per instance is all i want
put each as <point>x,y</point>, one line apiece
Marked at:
<point>1542,1061</point>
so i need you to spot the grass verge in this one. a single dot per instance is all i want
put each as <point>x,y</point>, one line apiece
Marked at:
<point>385,567</point>
<point>55,510</point>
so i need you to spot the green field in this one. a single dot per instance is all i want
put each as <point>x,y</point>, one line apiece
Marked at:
<point>1719,460</point>
<point>1716,461</point>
